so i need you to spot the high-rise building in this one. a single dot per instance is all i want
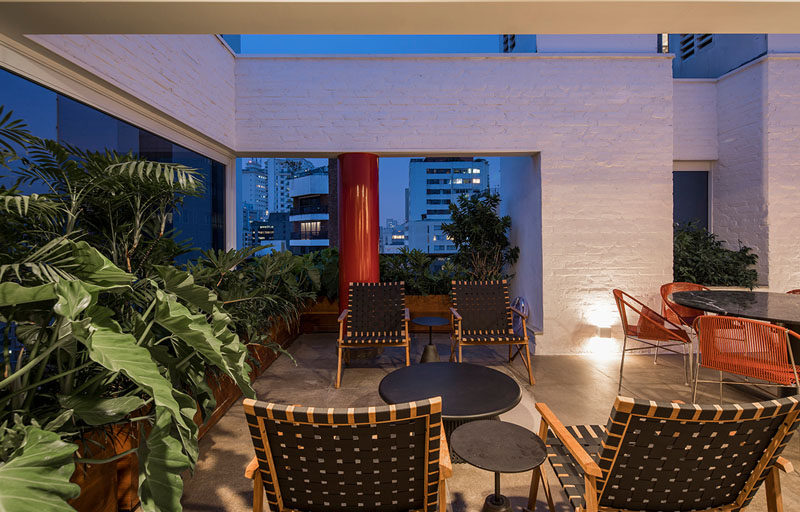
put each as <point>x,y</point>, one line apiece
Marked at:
<point>435,183</point>
<point>280,171</point>
<point>394,236</point>
<point>309,216</point>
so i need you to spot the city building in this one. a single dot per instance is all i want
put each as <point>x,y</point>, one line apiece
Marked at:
<point>433,184</point>
<point>280,171</point>
<point>394,236</point>
<point>309,216</point>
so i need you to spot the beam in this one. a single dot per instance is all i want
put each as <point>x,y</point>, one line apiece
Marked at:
<point>398,16</point>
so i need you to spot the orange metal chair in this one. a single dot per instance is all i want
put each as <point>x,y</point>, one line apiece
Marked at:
<point>750,348</point>
<point>673,311</point>
<point>648,327</point>
<point>795,292</point>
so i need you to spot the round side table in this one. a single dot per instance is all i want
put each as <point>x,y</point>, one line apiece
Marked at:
<point>499,447</point>
<point>430,354</point>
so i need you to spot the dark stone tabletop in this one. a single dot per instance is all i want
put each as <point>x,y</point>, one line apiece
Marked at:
<point>772,307</point>
<point>468,391</point>
<point>498,446</point>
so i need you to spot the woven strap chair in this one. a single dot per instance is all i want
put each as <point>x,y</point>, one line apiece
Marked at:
<point>376,316</point>
<point>642,324</point>
<point>750,348</point>
<point>674,312</point>
<point>372,459</point>
<point>670,456</point>
<point>481,314</point>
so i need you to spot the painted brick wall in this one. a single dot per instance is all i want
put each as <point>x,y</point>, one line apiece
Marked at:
<point>605,143</point>
<point>783,170</point>
<point>695,117</point>
<point>739,186</point>
<point>189,77</point>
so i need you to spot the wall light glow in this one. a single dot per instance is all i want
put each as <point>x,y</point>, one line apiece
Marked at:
<point>603,348</point>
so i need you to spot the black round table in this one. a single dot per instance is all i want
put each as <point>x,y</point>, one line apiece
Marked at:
<point>499,447</point>
<point>430,354</point>
<point>469,391</point>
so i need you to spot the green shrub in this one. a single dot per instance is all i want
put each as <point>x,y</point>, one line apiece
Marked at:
<point>699,257</point>
<point>422,273</point>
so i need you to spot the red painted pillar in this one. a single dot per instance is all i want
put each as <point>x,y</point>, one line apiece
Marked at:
<point>359,226</point>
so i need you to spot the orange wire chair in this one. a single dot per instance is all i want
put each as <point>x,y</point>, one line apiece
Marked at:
<point>750,348</point>
<point>674,312</point>
<point>651,329</point>
<point>794,292</point>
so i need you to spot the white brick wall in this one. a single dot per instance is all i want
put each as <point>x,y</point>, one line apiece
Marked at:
<point>695,114</point>
<point>783,171</point>
<point>739,186</point>
<point>603,126</point>
<point>189,77</point>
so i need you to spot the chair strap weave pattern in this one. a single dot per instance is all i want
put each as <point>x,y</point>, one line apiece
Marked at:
<point>484,306</point>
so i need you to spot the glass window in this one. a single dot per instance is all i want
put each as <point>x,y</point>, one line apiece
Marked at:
<point>690,197</point>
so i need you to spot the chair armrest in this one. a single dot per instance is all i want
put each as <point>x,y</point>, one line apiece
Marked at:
<point>407,316</point>
<point>784,465</point>
<point>343,315</point>
<point>251,469</point>
<point>583,459</point>
<point>455,314</point>
<point>445,464</point>
<point>520,313</point>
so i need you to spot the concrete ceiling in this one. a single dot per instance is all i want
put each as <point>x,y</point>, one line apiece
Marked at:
<point>397,16</point>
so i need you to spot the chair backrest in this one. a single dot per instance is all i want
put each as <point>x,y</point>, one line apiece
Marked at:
<point>673,311</point>
<point>640,321</point>
<point>794,292</point>
<point>745,347</point>
<point>348,459</point>
<point>376,309</point>
<point>665,456</point>
<point>484,306</point>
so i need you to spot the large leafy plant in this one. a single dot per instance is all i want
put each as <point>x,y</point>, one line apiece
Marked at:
<point>700,257</point>
<point>97,326</point>
<point>481,236</point>
<point>422,274</point>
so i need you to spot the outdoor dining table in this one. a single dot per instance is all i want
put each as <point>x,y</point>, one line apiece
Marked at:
<point>469,391</point>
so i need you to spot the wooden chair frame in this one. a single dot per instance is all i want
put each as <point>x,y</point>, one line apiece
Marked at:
<point>674,334</point>
<point>342,343</point>
<point>262,467</point>
<point>598,471</point>
<point>786,333</point>
<point>458,340</point>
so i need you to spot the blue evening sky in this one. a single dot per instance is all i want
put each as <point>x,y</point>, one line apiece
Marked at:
<point>263,43</point>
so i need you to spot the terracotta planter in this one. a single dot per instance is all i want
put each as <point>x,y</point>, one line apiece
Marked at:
<point>321,317</point>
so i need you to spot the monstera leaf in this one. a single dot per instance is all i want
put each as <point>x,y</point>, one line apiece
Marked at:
<point>36,476</point>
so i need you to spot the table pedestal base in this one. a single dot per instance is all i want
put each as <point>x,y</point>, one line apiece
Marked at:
<point>489,504</point>
<point>430,354</point>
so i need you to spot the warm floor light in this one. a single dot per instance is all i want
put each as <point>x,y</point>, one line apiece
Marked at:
<point>603,348</point>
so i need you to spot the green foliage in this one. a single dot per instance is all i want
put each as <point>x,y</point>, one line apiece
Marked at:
<point>326,261</point>
<point>422,274</point>
<point>481,236</point>
<point>699,257</point>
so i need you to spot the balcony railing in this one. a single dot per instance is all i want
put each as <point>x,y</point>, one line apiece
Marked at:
<point>306,235</point>
<point>303,210</point>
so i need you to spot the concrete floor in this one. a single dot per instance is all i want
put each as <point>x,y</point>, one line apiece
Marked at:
<point>579,389</point>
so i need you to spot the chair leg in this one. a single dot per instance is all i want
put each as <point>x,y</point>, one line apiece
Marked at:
<point>442,495</point>
<point>408,356</point>
<point>720,387</point>
<point>453,342</point>
<point>258,493</point>
<point>531,381</point>
<point>622,363</point>
<point>694,386</point>
<point>655,355</point>
<point>339,369</point>
<point>774,497</point>
<point>510,358</point>
<point>459,353</point>
<point>687,363</point>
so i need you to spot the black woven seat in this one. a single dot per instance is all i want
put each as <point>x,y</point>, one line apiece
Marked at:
<point>671,457</point>
<point>376,315</point>
<point>389,458</point>
<point>482,315</point>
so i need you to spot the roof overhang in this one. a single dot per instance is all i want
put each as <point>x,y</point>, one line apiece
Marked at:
<point>397,16</point>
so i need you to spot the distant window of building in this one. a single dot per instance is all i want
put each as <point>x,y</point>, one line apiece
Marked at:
<point>690,197</point>
<point>438,171</point>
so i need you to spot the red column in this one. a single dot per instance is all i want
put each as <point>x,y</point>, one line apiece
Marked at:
<point>359,226</point>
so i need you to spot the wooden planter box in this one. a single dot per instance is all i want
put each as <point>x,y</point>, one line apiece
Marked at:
<point>321,317</point>
<point>113,486</point>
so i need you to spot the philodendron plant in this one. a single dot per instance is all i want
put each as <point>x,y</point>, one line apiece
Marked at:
<point>97,326</point>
